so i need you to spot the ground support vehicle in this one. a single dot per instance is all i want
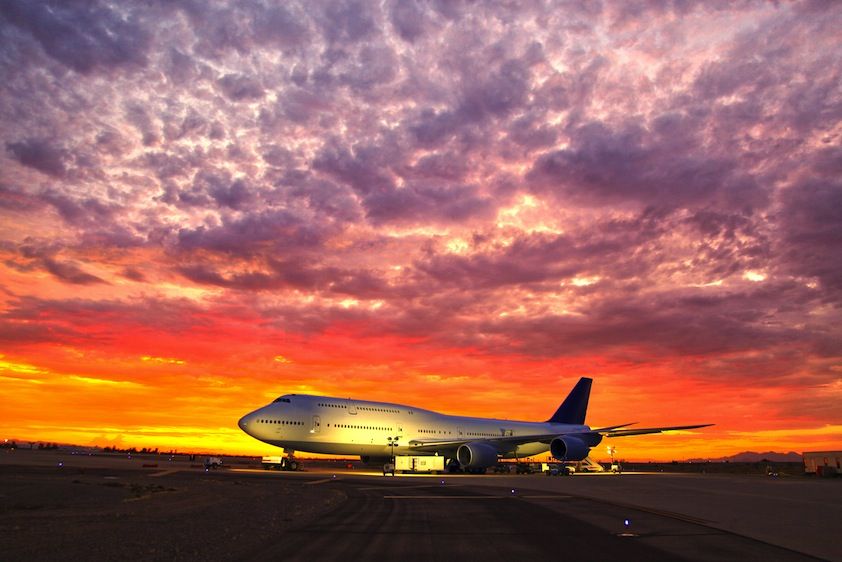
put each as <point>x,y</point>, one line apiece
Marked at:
<point>557,469</point>
<point>419,464</point>
<point>213,463</point>
<point>279,463</point>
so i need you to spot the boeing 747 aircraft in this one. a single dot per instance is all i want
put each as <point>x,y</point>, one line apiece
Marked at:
<point>378,430</point>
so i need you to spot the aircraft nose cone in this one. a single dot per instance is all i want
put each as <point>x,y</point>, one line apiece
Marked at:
<point>245,422</point>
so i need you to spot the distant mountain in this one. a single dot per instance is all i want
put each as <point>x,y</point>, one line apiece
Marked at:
<point>751,456</point>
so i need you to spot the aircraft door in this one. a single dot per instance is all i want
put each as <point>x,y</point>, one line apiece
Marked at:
<point>352,408</point>
<point>317,424</point>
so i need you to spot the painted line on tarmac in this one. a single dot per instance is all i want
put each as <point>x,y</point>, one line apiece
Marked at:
<point>446,497</point>
<point>261,471</point>
<point>517,496</point>
<point>322,481</point>
<point>673,515</point>
<point>165,472</point>
<point>419,486</point>
<point>653,511</point>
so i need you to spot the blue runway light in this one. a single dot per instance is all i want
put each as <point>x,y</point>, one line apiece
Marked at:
<point>626,522</point>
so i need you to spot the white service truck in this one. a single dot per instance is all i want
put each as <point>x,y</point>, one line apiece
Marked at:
<point>413,463</point>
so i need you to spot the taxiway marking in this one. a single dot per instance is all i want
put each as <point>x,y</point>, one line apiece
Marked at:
<point>445,497</point>
<point>322,481</point>
<point>515,496</point>
<point>410,487</point>
<point>165,472</point>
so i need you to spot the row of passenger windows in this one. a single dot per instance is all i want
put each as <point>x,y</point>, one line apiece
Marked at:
<point>351,426</point>
<point>481,434</point>
<point>281,422</point>
<point>326,405</point>
<point>433,431</point>
<point>388,410</point>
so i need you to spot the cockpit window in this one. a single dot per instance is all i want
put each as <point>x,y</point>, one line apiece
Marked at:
<point>282,399</point>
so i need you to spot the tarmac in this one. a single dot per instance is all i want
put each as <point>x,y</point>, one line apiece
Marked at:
<point>61,506</point>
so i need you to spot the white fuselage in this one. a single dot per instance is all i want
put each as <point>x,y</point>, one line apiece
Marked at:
<point>339,426</point>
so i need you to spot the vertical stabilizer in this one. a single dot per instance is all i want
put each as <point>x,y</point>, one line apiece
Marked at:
<point>574,407</point>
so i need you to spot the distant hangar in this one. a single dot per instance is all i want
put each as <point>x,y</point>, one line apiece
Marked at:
<point>823,463</point>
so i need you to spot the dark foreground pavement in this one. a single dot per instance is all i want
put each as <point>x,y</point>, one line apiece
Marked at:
<point>402,521</point>
<point>79,513</point>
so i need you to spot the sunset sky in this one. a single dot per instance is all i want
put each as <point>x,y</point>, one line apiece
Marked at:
<point>465,207</point>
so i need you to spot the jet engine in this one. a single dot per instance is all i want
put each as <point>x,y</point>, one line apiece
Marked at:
<point>568,448</point>
<point>476,455</point>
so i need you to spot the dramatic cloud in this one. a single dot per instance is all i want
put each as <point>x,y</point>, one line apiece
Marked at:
<point>507,195</point>
<point>83,37</point>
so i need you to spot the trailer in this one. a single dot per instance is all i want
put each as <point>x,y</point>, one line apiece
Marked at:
<point>822,463</point>
<point>412,463</point>
<point>279,463</point>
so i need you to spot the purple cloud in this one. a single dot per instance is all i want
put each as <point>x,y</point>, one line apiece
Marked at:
<point>240,88</point>
<point>534,179</point>
<point>70,273</point>
<point>40,155</point>
<point>83,37</point>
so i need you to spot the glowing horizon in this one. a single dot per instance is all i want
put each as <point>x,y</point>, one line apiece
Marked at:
<point>463,208</point>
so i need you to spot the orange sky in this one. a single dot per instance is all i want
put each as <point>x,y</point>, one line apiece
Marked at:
<point>188,391</point>
<point>459,207</point>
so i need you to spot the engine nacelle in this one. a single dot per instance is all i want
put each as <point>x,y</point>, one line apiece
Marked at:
<point>568,448</point>
<point>476,455</point>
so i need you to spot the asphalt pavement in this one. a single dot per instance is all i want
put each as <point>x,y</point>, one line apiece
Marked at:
<point>401,519</point>
<point>59,507</point>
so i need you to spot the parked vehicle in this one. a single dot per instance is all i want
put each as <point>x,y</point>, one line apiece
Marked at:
<point>418,463</point>
<point>279,463</point>
<point>557,469</point>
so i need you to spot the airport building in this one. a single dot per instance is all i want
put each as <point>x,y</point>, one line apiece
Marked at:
<point>822,463</point>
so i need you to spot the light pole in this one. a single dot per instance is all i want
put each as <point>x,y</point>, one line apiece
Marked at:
<point>614,466</point>
<point>393,442</point>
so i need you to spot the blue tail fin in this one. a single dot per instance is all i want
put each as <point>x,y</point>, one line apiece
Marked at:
<point>574,407</point>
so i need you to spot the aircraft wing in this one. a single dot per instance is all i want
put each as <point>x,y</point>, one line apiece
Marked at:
<point>502,443</point>
<point>507,443</point>
<point>614,432</point>
<point>610,427</point>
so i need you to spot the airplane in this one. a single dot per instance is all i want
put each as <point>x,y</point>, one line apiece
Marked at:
<point>377,431</point>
